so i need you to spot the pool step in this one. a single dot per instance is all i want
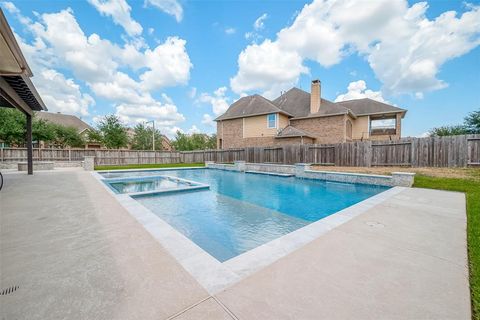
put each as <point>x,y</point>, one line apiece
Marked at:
<point>271,173</point>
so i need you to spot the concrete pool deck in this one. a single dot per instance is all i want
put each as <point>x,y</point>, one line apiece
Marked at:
<point>76,253</point>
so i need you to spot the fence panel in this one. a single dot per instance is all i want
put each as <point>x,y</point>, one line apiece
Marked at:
<point>392,153</point>
<point>455,151</point>
<point>473,156</point>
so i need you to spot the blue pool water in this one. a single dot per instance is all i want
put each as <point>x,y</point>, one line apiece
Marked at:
<point>242,211</point>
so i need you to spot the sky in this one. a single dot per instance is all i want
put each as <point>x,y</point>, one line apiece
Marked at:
<point>182,63</point>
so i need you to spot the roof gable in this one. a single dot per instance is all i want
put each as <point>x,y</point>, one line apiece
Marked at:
<point>297,102</point>
<point>250,106</point>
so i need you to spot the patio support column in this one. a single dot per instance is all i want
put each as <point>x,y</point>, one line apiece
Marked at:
<point>29,144</point>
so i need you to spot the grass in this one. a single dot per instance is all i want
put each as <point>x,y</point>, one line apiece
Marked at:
<point>471,187</point>
<point>149,166</point>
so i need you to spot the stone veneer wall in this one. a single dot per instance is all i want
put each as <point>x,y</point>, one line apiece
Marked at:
<point>302,170</point>
<point>326,129</point>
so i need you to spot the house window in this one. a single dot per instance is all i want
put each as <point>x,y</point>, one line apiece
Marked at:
<point>272,120</point>
<point>349,129</point>
<point>385,125</point>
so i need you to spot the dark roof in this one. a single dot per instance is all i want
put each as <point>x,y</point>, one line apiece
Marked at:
<point>289,132</point>
<point>66,120</point>
<point>367,106</point>
<point>296,103</point>
<point>250,106</point>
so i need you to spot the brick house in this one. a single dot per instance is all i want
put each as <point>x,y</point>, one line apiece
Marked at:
<point>300,117</point>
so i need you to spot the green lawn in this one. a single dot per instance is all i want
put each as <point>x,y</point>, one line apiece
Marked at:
<point>471,187</point>
<point>149,166</point>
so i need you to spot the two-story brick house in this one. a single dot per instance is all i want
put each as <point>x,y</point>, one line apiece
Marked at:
<point>300,117</point>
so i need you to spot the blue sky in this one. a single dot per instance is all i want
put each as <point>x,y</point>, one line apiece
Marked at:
<point>182,63</point>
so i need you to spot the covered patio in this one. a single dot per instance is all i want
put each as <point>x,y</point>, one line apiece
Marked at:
<point>16,88</point>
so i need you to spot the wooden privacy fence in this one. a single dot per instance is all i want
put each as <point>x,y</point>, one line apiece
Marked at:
<point>454,151</point>
<point>102,156</point>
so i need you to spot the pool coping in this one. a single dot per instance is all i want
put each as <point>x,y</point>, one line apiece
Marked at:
<point>215,276</point>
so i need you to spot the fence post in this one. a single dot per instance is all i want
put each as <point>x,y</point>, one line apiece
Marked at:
<point>69,155</point>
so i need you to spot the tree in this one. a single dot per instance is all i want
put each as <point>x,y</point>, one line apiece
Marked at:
<point>143,136</point>
<point>112,132</point>
<point>12,126</point>
<point>43,130</point>
<point>448,131</point>
<point>194,141</point>
<point>472,122</point>
<point>67,137</point>
<point>471,125</point>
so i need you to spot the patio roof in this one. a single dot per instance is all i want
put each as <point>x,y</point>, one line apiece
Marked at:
<point>16,88</point>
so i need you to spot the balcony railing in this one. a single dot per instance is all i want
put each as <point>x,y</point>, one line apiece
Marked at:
<point>383,132</point>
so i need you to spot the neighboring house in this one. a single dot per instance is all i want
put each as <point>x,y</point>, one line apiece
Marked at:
<point>68,120</point>
<point>166,143</point>
<point>299,117</point>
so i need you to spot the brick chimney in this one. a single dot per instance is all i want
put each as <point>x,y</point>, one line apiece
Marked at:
<point>315,96</point>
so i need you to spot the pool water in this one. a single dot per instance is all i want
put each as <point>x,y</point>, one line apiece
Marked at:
<point>243,211</point>
<point>145,185</point>
<point>152,184</point>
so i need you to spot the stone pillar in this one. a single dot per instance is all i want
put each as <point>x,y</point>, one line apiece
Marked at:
<point>300,169</point>
<point>88,163</point>
<point>209,163</point>
<point>239,165</point>
<point>403,179</point>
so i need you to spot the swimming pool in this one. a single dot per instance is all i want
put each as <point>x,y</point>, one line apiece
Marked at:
<point>243,211</point>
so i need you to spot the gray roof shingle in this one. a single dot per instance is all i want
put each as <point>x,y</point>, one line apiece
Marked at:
<point>296,103</point>
<point>368,106</point>
<point>250,106</point>
<point>66,120</point>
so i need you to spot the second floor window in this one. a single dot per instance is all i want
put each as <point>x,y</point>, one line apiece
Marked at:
<point>272,120</point>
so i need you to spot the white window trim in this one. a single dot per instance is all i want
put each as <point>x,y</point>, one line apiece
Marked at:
<point>276,121</point>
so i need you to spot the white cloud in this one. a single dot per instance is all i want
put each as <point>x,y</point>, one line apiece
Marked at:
<point>169,64</point>
<point>60,94</point>
<point>10,7</point>
<point>404,48</point>
<point>151,30</point>
<point>192,92</point>
<point>259,24</point>
<point>218,100</point>
<point>119,10</point>
<point>208,120</point>
<point>171,7</point>
<point>230,31</point>
<point>193,129</point>
<point>110,70</point>
<point>358,90</point>
<point>165,115</point>
<point>268,68</point>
